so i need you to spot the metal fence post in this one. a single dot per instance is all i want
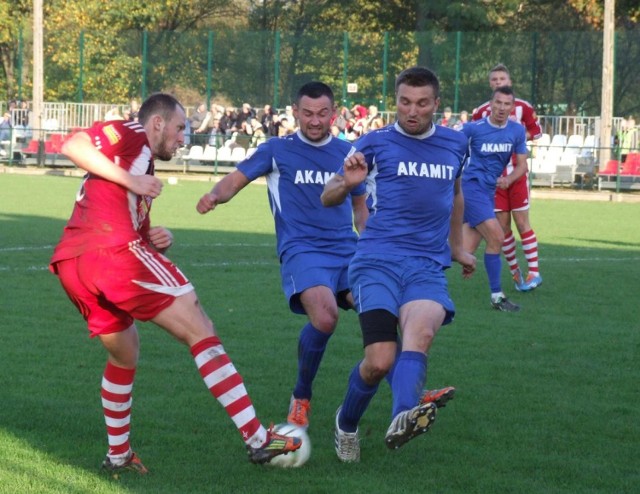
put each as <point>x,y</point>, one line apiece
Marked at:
<point>19,62</point>
<point>385,64</point>
<point>209,67</point>
<point>143,88</point>
<point>457,84</point>
<point>345,66</point>
<point>81,68</point>
<point>276,72</point>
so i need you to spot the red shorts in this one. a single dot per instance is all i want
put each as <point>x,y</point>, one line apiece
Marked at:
<point>112,287</point>
<point>515,198</point>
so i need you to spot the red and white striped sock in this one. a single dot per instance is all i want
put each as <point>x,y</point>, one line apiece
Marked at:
<point>509,251</point>
<point>117,384</point>
<point>226,385</point>
<point>530,248</point>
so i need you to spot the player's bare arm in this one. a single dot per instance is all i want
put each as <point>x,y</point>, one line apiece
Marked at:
<point>360,212</point>
<point>458,253</point>
<point>336,189</point>
<point>81,151</point>
<point>161,238</point>
<point>222,192</point>
<point>518,170</point>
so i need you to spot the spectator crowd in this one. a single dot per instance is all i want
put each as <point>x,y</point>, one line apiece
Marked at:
<point>248,126</point>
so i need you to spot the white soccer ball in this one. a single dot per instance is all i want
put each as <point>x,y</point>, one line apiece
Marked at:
<point>295,458</point>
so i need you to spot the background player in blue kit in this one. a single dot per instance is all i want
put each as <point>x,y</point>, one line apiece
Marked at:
<point>412,169</point>
<point>314,243</point>
<point>492,141</point>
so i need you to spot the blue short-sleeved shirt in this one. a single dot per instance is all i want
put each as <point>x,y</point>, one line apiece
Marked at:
<point>490,150</point>
<point>296,171</point>
<point>411,185</point>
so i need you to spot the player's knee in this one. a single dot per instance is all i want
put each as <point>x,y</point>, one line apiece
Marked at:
<point>378,360</point>
<point>325,321</point>
<point>495,240</point>
<point>374,371</point>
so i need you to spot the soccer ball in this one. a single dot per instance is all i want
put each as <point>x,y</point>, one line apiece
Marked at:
<point>295,458</point>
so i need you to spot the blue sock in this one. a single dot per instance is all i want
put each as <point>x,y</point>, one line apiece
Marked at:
<point>356,401</point>
<point>493,265</point>
<point>408,381</point>
<point>311,346</point>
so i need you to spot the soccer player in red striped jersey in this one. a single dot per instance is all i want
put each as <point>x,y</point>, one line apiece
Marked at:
<point>111,263</point>
<point>514,201</point>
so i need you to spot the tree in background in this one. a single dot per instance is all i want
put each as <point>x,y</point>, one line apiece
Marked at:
<point>14,20</point>
<point>242,33</point>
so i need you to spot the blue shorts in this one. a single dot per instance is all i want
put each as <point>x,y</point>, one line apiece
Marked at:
<point>305,270</point>
<point>389,282</point>
<point>479,203</point>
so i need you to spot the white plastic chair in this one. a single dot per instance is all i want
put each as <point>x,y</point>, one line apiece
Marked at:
<point>559,141</point>
<point>195,153</point>
<point>238,154</point>
<point>575,142</point>
<point>589,145</point>
<point>209,154</point>
<point>224,154</point>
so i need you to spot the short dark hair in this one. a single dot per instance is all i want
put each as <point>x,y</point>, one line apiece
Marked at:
<point>162,104</point>
<point>419,77</point>
<point>315,90</point>
<point>500,68</point>
<point>508,90</point>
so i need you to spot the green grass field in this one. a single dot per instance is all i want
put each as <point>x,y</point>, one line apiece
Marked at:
<point>547,399</point>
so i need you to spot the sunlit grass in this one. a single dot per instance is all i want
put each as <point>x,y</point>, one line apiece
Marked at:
<point>547,399</point>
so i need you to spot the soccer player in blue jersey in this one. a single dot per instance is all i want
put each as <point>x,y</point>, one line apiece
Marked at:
<point>314,243</point>
<point>412,169</point>
<point>492,141</point>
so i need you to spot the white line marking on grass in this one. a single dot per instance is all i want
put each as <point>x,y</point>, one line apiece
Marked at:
<point>275,263</point>
<point>187,246</point>
<point>235,263</point>
<point>590,259</point>
<point>24,248</point>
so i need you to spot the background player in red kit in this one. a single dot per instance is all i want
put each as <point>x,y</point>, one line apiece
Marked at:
<point>514,201</point>
<point>110,262</point>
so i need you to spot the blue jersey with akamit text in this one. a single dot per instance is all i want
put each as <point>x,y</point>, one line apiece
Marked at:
<point>296,170</point>
<point>491,148</point>
<point>411,185</point>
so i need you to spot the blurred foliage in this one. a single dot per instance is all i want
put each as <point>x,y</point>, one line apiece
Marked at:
<point>261,50</point>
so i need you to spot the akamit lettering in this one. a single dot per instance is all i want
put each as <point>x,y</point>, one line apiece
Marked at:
<point>429,170</point>
<point>496,147</point>
<point>312,177</point>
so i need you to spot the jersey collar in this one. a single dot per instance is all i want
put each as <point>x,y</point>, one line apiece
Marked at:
<point>424,135</point>
<point>495,126</point>
<point>317,144</point>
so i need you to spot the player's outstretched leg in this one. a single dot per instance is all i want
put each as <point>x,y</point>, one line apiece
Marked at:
<point>438,396</point>
<point>409,424</point>
<point>276,444</point>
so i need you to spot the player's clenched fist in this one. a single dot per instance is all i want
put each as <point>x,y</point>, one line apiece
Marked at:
<point>207,202</point>
<point>161,238</point>
<point>355,169</point>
